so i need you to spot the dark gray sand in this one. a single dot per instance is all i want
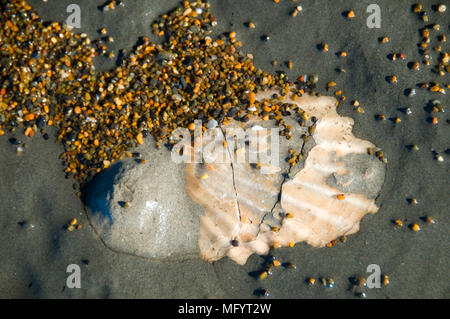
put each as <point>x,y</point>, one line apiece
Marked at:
<point>33,189</point>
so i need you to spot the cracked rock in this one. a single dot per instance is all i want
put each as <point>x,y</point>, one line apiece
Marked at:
<point>323,197</point>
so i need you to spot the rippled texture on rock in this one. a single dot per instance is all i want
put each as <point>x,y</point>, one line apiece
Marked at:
<point>326,199</point>
<point>236,198</point>
<point>322,213</point>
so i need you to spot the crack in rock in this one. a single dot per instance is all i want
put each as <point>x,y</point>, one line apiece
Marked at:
<point>319,210</point>
<point>233,177</point>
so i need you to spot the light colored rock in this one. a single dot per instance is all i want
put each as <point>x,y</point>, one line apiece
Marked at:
<point>239,200</point>
<point>236,198</point>
<point>331,190</point>
<point>161,220</point>
<point>338,184</point>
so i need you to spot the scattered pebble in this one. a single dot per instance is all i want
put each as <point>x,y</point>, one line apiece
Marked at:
<point>392,79</point>
<point>311,281</point>
<point>263,275</point>
<point>361,282</point>
<point>296,11</point>
<point>350,14</point>
<point>361,295</point>
<point>73,224</point>
<point>415,66</point>
<point>385,280</point>
<point>441,8</point>
<point>251,25</point>
<point>410,92</point>
<point>327,282</point>
<point>290,266</point>
<point>262,292</point>
<point>398,222</point>
<point>111,5</point>
<point>430,220</point>
<point>25,225</point>
<point>417,8</point>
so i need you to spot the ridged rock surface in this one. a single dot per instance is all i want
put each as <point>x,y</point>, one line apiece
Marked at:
<point>322,211</point>
<point>327,198</point>
<point>236,198</point>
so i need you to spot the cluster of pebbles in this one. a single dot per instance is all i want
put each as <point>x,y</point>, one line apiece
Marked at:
<point>47,78</point>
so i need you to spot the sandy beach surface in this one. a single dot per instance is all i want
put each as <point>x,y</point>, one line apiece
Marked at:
<point>36,201</point>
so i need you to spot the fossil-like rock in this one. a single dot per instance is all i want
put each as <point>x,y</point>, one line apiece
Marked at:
<point>337,185</point>
<point>247,211</point>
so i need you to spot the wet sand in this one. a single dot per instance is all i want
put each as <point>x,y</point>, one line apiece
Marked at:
<point>33,188</point>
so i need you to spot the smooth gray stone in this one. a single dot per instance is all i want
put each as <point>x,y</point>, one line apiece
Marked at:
<point>161,220</point>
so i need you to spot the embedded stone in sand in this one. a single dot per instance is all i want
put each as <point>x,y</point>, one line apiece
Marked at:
<point>161,221</point>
